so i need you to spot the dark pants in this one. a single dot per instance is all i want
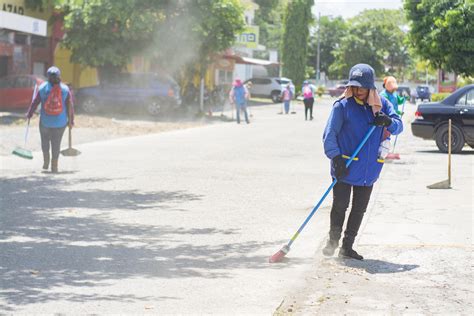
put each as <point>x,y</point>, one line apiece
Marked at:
<point>308,106</point>
<point>51,137</point>
<point>341,197</point>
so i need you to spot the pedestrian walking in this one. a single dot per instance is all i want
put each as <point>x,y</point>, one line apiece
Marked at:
<point>239,95</point>
<point>57,112</point>
<point>308,99</point>
<point>286,96</point>
<point>351,117</point>
<point>390,93</point>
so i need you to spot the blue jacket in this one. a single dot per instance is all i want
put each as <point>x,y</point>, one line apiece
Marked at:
<point>346,127</point>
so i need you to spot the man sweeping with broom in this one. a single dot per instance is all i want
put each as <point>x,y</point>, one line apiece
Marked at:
<point>351,116</point>
<point>57,112</point>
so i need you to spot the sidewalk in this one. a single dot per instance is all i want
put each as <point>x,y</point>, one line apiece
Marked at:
<point>417,244</point>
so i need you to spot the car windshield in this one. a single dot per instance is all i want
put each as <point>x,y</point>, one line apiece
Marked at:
<point>283,81</point>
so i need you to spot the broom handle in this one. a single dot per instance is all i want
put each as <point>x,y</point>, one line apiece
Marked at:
<point>70,138</point>
<point>26,132</point>
<point>362,143</point>
<point>28,124</point>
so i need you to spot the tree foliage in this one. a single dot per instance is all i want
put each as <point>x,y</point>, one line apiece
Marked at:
<point>441,32</point>
<point>331,30</point>
<point>375,37</point>
<point>269,18</point>
<point>108,33</point>
<point>294,49</point>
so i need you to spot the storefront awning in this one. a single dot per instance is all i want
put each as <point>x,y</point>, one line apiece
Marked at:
<point>22,23</point>
<point>251,61</point>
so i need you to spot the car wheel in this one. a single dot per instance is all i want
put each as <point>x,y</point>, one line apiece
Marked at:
<point>90,105</point>
<point>275,96</point>
<point>155,107</point>
<point>457,139</point>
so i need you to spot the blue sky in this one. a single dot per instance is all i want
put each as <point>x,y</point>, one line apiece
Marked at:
<point>350,8</point>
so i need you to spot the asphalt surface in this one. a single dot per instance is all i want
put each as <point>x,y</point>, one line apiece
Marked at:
<point>185,221</point>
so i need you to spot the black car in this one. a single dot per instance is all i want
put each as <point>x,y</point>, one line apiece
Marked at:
<point>422,93</point>
<point>431,120</point>
<point>144,92</point>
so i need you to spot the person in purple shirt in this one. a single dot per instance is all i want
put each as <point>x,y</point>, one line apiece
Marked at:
<point>57,112</point>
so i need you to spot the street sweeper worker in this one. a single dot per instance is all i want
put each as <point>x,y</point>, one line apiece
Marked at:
<point>308,99</point>
<point>352,116</point>
<point>56,113</point>
<point>286,96</point>
<point>390,93</point>
<point>239,95</point>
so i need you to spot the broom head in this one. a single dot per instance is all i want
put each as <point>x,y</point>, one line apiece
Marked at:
<point>23,153</point>
<point>392,156</point>
<point>280,254</point>
<point>70,152</point>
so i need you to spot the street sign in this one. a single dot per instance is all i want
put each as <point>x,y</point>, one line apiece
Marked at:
<point>249,37</point>
<point>22,23</point>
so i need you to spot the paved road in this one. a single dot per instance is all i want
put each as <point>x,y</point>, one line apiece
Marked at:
<point>417,244</point>
<point>178,222</point>
<point>184,222</point>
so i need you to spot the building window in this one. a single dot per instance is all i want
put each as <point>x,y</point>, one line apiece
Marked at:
<point>39,41</point>
<point>4,36</point>
<point>21,39</point>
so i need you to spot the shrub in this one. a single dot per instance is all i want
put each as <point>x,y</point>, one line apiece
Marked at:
<point>439,96</point>
<point>320,90</point>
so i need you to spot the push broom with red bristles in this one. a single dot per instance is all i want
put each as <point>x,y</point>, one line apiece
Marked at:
<point>393,155</point>
<point>286,248</point>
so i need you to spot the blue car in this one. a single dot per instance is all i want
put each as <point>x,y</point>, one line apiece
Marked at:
<point>138,92</point>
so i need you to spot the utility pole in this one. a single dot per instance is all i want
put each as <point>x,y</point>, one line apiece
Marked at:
<point>318,70</point>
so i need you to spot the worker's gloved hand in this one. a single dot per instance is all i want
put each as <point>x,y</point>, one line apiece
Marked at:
<point>339,165</point>
<point>382,120</point>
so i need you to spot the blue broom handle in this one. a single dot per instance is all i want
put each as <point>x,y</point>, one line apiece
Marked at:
<point>362,143</point>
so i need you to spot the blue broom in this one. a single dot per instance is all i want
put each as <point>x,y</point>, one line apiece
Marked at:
<point>286,248</point>
<point>22,151</point>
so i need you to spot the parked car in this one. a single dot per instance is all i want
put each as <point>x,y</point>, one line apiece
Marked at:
<point>270,87</point>
<point>431,120</point>
<point>338,89</point>
<point>404,91</point>
<point>422,93</point>
<point>16,92</point>
<point>153,93</point>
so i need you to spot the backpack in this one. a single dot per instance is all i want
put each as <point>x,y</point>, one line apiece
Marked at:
<point>54,102</point>
<point>307,92</point>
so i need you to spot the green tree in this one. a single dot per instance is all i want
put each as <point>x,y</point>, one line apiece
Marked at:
<point>331,31</point>
<point>269,18</point>
<point>375,37</point>
<point>441,32</point>
<point>106,33</point>
<point>297,21</point>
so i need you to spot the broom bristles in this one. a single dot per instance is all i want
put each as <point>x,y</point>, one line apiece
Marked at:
<point>393,156</point>
<point>23,153</point>
<point>280,254</point>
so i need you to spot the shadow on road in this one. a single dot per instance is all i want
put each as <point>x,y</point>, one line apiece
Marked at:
<point>374,266</point>
<point>52,238</point>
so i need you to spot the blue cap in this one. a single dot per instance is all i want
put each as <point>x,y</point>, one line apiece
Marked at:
<point>362,75</point>
<point>53,71</point>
